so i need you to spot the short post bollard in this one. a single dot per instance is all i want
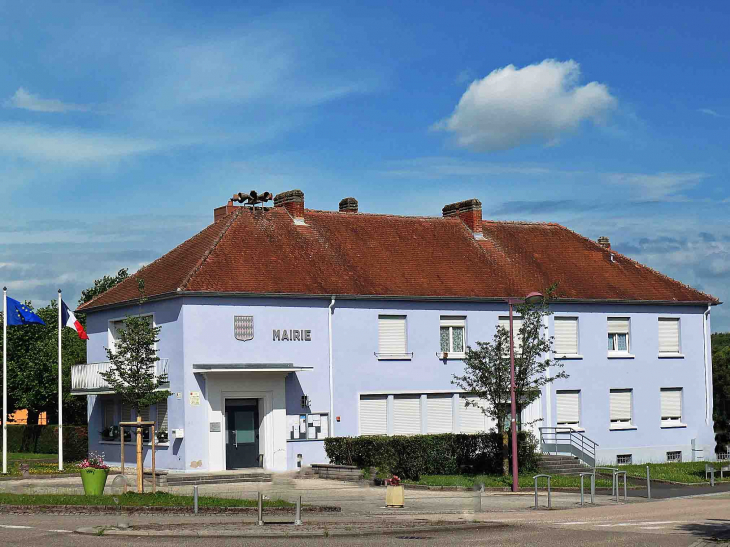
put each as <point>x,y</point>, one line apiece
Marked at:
<point>298,519</point>
<point>549,505</point>
<point>195,500</point>
<point>478,501</point>
<point>260,520</point>
<point>593,488</point>
<point>582,504</point>
<point>648,483</point>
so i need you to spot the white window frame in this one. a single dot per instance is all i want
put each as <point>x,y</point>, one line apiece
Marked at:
<point>111,329</point>
<point>517,325</point>
<point>575,426</point>
<point>672,421</point>
<point>672,354</point>
<point>576,355</point>
<point>622,423</point>
<point>405,356</point>
<point>615,353</point>
<point>451,322</point>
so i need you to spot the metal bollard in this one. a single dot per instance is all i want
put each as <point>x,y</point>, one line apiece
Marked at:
<point>478,501</point>
<point>195,500</point>
<point>593,489</point>
<point>626,499</point>
<point>549,505</point>
<point>648,483</point>
<point>260,520</point>
<point>582,504</point>
<point>298,518</point>
<point>615,484</point>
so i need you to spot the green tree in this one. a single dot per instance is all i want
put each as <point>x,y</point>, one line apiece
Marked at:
<point>487,369</point>
<point>721,389</point>
<point>102,285</point>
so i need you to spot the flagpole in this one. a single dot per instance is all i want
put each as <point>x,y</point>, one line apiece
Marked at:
<point>5,380</point>
<point>60,387</point>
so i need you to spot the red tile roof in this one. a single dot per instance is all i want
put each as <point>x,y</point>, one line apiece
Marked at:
<point>355,254</point>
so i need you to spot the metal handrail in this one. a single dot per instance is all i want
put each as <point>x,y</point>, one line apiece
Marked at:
<point>567,435</point>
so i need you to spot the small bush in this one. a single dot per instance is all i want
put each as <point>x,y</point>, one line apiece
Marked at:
<point>447,454</point>
<point>43,439</point>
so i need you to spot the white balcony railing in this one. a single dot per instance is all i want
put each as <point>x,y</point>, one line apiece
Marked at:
<point>86,379</point>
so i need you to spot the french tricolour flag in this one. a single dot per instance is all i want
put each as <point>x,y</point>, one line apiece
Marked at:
<point>68,319</point>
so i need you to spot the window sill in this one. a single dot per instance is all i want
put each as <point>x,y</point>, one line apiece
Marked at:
<point>394,356</point>
<point>672,425</point>
<point>620,355</point>
<point>133,442</point>
<point>451,355</point>
<point>575,428</point>
<point>305,440</point>
<point>569,356</point>
<point>671,356</point>
<point>622,427</point>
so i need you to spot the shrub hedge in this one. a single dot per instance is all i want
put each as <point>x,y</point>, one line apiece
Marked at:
<point>43,439</point>
<point>445,454</point>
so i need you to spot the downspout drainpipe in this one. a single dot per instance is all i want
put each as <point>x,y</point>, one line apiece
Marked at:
<point>708,410</point>
<point>332,382</point>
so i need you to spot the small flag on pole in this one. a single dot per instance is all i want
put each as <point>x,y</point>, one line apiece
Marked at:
<point>68,319</point>
<point>20,314</point>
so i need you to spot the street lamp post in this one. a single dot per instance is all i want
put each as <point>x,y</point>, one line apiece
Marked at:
<point>532,298</point>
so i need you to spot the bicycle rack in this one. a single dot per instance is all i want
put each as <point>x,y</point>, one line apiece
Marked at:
<point>593,488</point>
<point>549,504</point>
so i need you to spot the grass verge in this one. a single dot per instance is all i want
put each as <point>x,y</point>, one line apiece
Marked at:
<point>131,499</point>
<point>684,472</point>
<point>500,481</point>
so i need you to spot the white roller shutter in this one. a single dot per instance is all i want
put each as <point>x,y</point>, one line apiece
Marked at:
<point>621,405</point>
<point>668,335</point>
<point>671,404</point>
<point>472,418</point>
<point>618,325</point>
<point>516,325</point>
<point>407,415</point>
<point>373,415</point>
<point>440,413</point>
<point>568,403</point>
<point>162,415</point>
<point>392,334</point>
<point>566,335</point>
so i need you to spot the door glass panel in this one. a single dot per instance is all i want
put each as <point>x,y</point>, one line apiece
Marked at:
<point>244,426</point>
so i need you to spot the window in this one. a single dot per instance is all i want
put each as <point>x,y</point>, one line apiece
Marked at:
<point>126,413</point>
<point>440,413</point>
<point>109,408</point>
<point>566,336</point>
<point>618,335</point>
<point>674,456</point>
<point>452,336</point>
<point>668,336</point>
<point>407,415</point>
<point>516,325</point>
<point>568,403</point>
<point>392,342</point>
<point>161,422</point>
<point>471,417</point>
<point>671,400</point>
<point>620,400</point>
<point>373,415</point>
<point>623,459</point>
<point>116,326</point>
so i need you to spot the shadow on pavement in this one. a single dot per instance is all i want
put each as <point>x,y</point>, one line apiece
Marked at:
<point>718,529</point>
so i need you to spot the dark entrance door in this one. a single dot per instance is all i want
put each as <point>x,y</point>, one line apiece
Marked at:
<point>242,433</point>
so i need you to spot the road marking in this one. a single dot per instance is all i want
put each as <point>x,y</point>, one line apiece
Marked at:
<point>62,531</point>
<point>14,526</point>
<point>576,522</point>
<point>653,527</point>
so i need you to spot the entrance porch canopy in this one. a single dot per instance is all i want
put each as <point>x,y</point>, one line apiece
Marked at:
<point>249,367</point>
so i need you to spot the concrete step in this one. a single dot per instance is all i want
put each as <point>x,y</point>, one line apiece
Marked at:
<point>185,479</point>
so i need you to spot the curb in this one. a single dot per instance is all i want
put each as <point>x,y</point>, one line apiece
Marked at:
<point>94,531</point>
<point>132,509</point>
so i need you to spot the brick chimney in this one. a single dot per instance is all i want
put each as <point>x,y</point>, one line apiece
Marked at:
<point>220,212</point>
<point>470,213</point>
<point>292,201</point>
<point>604,242</point>
<point>348,205</point>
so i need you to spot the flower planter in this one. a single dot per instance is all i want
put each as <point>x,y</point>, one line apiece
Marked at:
<point>394,496</point>
<point>94,480</point>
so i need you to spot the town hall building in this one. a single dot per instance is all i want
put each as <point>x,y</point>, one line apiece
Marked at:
<point>281,326</point>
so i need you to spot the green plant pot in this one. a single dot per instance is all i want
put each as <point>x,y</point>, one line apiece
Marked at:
<point>94,481</point>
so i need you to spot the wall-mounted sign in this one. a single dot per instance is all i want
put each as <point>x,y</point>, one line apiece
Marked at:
<point>243,327</point>
<point>215,427</point>
<point>292,335</point>
<point>194,398</point>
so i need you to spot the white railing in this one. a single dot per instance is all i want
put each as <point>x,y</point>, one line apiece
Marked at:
<point>87,378</point>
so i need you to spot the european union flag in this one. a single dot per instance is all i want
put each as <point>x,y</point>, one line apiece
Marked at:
<point>20,314</point>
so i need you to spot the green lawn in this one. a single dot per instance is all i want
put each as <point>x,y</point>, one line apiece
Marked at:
<point>686,472</point>
<point>159,499</point>
<point>27,456</point>
<point>491,481</point>
<point>40,464</point>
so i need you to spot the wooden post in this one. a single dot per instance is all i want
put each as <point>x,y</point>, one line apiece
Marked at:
<point>121,445</point>
<point>154,477</point>
<point>140,484</point>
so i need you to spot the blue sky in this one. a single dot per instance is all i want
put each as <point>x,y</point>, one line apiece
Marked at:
<point>123,126</point>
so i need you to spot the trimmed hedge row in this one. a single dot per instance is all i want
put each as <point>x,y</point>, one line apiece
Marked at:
<point>43,439</point>
<point>445,454</point>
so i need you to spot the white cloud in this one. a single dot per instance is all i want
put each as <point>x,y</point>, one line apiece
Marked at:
<point>711,112</point>
<point>512,106</point>
<point>658,185</point>
<point>28,101</point>
<point>42,143</point>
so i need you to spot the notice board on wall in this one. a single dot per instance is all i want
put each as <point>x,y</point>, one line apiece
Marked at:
<point>308,426</point>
